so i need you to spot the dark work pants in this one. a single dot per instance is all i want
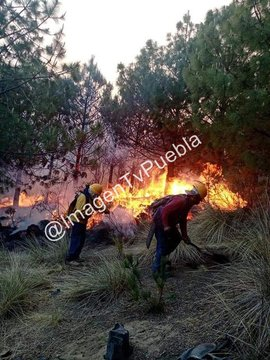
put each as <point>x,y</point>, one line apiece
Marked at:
<point>77,241</point>
<point>165,245</point>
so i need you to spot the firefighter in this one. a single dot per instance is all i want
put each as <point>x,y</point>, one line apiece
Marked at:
<point>78,232</point>
<point>167,217</point>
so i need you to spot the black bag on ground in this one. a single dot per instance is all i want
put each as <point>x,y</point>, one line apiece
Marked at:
<point>118,347</point>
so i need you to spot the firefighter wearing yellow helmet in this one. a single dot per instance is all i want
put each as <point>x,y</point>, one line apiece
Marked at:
<point>169,213</point>
<point>79,220</point>
<point>95,189</point>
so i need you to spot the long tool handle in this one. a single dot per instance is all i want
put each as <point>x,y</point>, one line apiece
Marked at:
<point>150,235</point>
<point>204,252</point>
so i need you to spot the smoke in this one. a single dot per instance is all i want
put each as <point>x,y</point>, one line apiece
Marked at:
<point>121,222</point>
<point>24,217</point>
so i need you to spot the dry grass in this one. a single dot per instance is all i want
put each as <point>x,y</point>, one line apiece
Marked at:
<point>213,226</point>
<point>243,289</point>
<point>50,253</point>
<point>243,296</point>
<point>253,237</point>
<point>241,293</point>
<point>47,319</point>
<point>186,254</point>
<point>18,285</point>
<point>4,257</point>
<point>183,254</point>
<point>107,279</point>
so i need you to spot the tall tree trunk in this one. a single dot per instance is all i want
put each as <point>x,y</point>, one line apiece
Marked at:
<point>170,175</point>
<point>77,166</point>
<point>111,174</point>
<point>18,184</point>
<point>47,192</point>
<point>132,179</point>
<point>112,165</point>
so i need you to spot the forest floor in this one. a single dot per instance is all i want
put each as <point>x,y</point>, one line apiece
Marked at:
<point>59,329</point>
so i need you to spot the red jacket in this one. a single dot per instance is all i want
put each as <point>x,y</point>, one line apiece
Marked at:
<point>176,212</point>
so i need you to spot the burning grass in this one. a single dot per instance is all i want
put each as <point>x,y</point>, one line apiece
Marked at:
<point>25,200</point>
<point>18,285</point>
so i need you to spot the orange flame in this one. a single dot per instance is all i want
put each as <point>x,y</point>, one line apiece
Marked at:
<point>137,199</point>
<point>29,200</point>
<point>219,194</point>
<point>24,200</point>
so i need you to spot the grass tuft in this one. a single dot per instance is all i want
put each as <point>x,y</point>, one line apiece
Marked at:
<point>213,226</point>
<point>49,253</point>
<point>47,319</point>
<point>253,237</point>
<point>186,254</point>
<point>18,284</point>
<point>106,280</point>
<point>243,296</point>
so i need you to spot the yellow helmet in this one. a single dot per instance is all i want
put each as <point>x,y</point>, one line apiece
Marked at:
<point>96,189</point>
<point>201,188</point>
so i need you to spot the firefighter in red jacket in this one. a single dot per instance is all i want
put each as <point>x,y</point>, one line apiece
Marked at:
<point>166,219</point>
